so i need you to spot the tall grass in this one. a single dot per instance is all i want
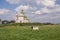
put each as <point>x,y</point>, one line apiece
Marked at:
<point>45,32</point>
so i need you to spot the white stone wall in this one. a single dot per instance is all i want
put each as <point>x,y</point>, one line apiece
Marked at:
<point>20,19</point>
<point>25,21</point>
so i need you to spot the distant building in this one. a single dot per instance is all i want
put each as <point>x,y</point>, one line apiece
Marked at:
<point>21,18</point>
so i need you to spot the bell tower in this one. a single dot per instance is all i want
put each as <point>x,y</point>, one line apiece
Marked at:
<point>21,18</point>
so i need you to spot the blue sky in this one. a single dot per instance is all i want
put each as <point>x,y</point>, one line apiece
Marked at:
<point>35,10</point>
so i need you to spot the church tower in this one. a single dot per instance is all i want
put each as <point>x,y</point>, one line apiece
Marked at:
<point>21,18</point>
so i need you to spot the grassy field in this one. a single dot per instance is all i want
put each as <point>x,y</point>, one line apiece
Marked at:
<point>45,32</point>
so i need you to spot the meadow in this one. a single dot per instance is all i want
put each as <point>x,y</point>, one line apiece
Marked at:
<point>45,32</point>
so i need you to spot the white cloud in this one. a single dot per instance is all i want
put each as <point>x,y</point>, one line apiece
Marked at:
<point>24,7</point>
<point>4,11</point>
<point>49,16</point>
<point>37,12</point>
<point>56,9</point>
<point>45,10</point>
<point>53,10</point>
<point>17,1</point>
<point>14,1</point>
<point>48,10</point>
<point>48,3</point>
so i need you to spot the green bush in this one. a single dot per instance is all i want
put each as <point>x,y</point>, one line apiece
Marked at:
<point>25,24</point>
<point>20,24</point>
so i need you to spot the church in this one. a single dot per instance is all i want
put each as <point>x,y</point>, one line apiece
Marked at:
<point>21,18</point>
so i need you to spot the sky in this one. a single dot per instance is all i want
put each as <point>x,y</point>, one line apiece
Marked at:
<point>36,10</point>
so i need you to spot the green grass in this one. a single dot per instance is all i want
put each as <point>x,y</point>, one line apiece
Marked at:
<point>45,32</point>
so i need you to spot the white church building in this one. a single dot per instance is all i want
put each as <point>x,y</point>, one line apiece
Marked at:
<point>21,18</point>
